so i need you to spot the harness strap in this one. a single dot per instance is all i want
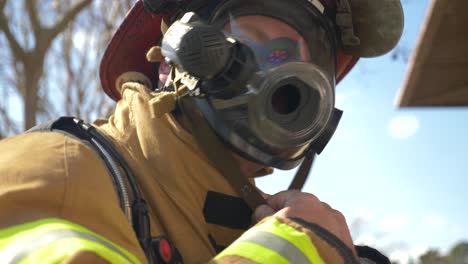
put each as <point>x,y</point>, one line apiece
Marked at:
<point>302,173</point>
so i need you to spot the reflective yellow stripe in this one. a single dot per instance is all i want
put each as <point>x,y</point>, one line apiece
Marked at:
<point>52,240</point>
<point>299,239</point>
<point>289,244</point>
<point>254,252</point>
<point>277,244</point>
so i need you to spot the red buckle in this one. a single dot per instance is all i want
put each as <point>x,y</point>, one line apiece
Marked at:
<point>165,250</point>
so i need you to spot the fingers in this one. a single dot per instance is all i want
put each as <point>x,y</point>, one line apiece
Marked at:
<point>264,195</point>
<point>305,206</point>
<point>287,198</point>
<point>279,201</point>
<point>261,212</point>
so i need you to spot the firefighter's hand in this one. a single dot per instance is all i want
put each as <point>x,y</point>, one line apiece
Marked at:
<point>296,204</point>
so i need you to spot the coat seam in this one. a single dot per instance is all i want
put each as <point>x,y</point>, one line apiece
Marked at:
<point>67,176</point>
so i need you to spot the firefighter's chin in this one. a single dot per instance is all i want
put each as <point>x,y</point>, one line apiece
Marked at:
<point>164,71</point>
<point>249,168</point>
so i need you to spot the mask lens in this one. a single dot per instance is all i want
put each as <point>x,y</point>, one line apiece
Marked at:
<point>272,41</point>
<point>289,97</point>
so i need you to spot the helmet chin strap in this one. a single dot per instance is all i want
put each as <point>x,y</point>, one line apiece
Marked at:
<point>303,172</point>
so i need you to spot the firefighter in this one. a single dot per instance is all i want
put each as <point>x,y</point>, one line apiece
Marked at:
<point>210,95</point>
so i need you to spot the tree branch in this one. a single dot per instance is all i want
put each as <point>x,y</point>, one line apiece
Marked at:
<point>67,18</point>
<point>32,14</point>
<point>15,47</point>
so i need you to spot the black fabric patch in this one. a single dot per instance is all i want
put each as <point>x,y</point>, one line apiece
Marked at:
<point>218,248</point>
<point>225,210</point>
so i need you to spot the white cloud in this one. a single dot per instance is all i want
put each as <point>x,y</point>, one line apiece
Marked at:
<point>359,221</point>
<point>344,99</point>
<point>435,222</point>
<point>456,229</point>
<point>404,255</point>
<point>402,127</point>
<point>394,223</point>
<point>339,99</point>
<point>364,213</point>
<point>403,236</point>
<point>368,239</point>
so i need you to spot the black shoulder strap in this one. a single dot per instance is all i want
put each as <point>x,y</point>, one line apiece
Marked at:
<point>130,198</point>
<point>371,255</point>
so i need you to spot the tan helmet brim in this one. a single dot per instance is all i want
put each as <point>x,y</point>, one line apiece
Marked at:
<point>378,24</point>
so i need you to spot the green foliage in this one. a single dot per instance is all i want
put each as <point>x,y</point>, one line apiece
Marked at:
<point>458,254</point>
<point>432,256</point>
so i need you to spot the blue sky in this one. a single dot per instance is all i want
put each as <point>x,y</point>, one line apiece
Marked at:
<point>399,175</point>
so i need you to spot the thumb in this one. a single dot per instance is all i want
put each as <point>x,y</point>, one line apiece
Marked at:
<point>282,199</point>
<point>264,195</point>
<point>261,212</point>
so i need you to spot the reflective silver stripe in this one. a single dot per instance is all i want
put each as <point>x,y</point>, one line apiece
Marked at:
<point>366,261</point>
<point>318,5</point>
<point>16,253</point>
<point>278,244</point>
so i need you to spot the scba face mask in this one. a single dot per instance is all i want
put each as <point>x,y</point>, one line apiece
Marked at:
<point>262,74</point>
